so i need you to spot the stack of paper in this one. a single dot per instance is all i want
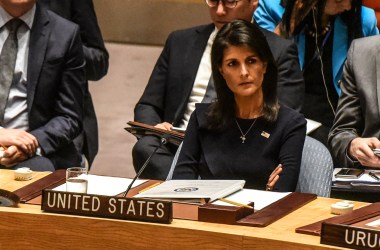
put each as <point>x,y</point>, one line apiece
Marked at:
<point>193,191</point>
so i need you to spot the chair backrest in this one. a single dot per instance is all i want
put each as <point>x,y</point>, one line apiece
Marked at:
<point>170,175</point>
<point>316,169</point>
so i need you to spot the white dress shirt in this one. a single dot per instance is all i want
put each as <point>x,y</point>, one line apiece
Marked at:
<point>201,81</point>
<point>16,110</point>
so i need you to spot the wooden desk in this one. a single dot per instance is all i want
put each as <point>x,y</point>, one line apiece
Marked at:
<point>7,181</point>
<point>35,230</point>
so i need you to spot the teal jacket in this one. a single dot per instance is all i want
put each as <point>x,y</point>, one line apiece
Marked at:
<point>269,13</point>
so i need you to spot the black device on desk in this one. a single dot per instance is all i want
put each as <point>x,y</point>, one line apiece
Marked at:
<point>357,191</point>
<point>349,173</point>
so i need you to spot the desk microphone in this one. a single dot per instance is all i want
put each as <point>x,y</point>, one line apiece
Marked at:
<point>164,140</point>
<point>8,199</point>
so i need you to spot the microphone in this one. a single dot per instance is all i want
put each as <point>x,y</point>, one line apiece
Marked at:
<point>164,140</point>
<point>8,199</point>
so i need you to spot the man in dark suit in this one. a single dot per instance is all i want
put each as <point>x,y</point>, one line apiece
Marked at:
<point>181,75</point>
<point>356,129</point>
<point>82,13</point>
<point>44,107</point>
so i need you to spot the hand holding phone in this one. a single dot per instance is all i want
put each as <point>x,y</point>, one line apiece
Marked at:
<point>376,151</point>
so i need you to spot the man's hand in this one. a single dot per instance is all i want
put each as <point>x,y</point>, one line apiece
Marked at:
<point>12,156</point>
<point>20,138</point>
<point>273,178</point>
<point>164,125</point>
<point>360,149</point>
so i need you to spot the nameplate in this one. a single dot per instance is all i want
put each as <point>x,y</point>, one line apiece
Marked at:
<point>107,206</point>
<point>349,236</point>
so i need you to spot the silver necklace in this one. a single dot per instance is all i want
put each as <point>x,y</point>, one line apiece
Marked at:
<point>242,137</point>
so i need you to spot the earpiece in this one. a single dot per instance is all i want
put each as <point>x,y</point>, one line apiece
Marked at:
<point>314,9</point>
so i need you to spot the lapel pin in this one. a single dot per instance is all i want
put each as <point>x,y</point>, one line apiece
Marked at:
<point>265,134</point>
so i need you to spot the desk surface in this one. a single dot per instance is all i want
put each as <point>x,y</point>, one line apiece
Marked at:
<point>7,181</point>
<point>39,229</point>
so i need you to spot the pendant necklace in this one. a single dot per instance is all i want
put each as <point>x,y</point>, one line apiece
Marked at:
<point>242,137</point>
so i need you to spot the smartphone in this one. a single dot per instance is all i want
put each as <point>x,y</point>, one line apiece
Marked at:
<point>349,173</point>
<point>376,151</point>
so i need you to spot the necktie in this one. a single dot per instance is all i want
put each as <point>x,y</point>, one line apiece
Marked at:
<point>210,94</point>
<point>7,63</point>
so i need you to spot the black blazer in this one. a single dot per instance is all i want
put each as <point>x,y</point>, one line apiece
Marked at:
<point>55,86</point>
<point>169,87</point>
<point>212,154</point>
<point>82,13</point>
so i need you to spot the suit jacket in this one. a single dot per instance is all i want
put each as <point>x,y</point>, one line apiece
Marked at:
<point>269,13</point>
<point>82,13</point>
<point>169,87</point>
<point>358,112</point>
<point>55,86</point>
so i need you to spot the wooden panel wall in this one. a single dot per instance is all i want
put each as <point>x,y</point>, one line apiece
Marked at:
<point>147,21</point>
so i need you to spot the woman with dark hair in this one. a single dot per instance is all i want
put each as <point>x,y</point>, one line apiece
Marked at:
<point>245,133</point>
<point>323,31</point>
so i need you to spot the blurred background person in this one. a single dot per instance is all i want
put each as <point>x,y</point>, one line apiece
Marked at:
<point>82,13</point>
<point>42,85</point>
<point>245,133</point>
<point>323,31</point>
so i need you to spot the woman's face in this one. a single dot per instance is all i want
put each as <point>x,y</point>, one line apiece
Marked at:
<point>243,71</point>
<point>335,7</point>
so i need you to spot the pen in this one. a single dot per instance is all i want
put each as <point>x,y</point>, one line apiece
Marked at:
<point>3,146</point>
<point>147,188</point>
<point>373,175</point>
<point>234,203</point>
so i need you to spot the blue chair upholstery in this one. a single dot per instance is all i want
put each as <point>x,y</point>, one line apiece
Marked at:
<point>316,169</point>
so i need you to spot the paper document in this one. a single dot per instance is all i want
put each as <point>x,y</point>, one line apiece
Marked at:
<point>260,198</point>
<point>105,185</point>
<point>193,191</point>
<point>311,125</point>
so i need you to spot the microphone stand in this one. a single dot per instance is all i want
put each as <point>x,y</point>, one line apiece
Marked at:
<point>164,140</point>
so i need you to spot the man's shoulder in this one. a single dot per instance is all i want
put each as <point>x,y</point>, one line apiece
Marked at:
<point>190,31</point>
<point>58,22</point>
<point>367,42</point>
<point>287,114</point>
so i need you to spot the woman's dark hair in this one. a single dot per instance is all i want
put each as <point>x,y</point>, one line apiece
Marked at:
<point>352,18</point>
<point>241,33</point>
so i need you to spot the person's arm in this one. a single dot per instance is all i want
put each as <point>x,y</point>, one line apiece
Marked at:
<point>369,22</point>
<point>349,120</point>
<point>268,14</point>
<point>95,53</point>
<point>290,154</point>
<point>189,157</point>
<point>291,85</point>
<point>151,107</point>
<point>66,107</point>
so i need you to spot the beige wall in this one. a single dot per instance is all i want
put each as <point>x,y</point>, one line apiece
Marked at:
<point>147,21</point>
